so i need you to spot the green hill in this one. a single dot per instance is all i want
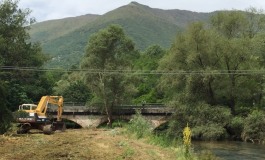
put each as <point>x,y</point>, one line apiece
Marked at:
<point>65,39</point>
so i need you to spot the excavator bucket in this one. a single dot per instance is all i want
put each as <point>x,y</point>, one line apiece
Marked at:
<point>59,125</point>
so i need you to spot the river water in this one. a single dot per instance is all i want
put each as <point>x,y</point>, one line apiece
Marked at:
<point>230,150</point>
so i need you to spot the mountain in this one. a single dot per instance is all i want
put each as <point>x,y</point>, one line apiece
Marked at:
<point>65,39</point>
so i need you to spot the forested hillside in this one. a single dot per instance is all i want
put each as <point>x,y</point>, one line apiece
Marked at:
<point>64,40</point>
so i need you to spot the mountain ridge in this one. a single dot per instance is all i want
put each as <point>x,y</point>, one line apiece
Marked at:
<point>65,39</point>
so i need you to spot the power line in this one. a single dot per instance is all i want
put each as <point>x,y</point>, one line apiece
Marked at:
<point>137,72</point>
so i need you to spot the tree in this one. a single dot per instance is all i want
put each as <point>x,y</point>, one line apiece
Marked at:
<point>16,51</point>
<point>193,52</point>
<point>108,55</point>
<point>238,31</point>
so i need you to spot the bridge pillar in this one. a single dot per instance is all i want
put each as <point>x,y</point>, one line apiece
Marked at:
<point>87,121</point>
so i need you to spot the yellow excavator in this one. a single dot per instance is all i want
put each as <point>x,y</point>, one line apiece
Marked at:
<point>32,116</point>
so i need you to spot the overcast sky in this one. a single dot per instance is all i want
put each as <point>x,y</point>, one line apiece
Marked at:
<point>56,9</point>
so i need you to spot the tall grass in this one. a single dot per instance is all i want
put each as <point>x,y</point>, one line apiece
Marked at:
<point>141,128</point>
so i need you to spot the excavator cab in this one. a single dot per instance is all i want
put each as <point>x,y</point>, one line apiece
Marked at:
<point>27,107</point>
<point>32,116</point>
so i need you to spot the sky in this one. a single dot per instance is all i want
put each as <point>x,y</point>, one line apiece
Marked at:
<point>44,10</point>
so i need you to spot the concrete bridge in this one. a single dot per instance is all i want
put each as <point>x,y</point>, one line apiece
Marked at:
<point>91,117</point>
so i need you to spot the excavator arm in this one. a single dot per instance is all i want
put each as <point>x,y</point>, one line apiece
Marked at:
<point>43,105</point>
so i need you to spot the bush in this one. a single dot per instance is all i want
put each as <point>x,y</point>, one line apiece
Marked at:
<point>207,122</point>
<point>5,120</point>
<point>181,117</point>
<point>210,131</point>
<point>139,126</point>
<point>236,127</point>
<point>254,129</point>
<point>5,114</point>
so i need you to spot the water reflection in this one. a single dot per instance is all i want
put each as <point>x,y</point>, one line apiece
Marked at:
<point>232,150</point>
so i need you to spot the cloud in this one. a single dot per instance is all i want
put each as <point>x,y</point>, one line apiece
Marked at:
<point>56,9</point>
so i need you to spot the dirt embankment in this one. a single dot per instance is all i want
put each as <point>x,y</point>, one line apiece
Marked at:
<point>82,144</point>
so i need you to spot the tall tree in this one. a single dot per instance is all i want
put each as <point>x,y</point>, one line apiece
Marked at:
<point>238,31</point>
<point>17,51</point>
<point>108,54</point>
<point>216,61</point>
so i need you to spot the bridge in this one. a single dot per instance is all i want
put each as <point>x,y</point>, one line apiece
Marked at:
<point>92,117</point>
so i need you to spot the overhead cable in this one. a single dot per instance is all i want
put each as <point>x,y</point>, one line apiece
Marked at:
<point>137,72</point>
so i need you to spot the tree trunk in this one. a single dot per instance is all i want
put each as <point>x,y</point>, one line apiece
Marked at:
<point>211,93</point>
<point>232,94</point>
<point>109,115</point>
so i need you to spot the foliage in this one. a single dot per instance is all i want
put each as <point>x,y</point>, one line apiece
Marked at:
<point>5,114</point>
<point>16,51</point>
<point>211,123</point>
<point>147,84</point>
<point>72,88</point>
<point>139,126</point>
<point>77,92</point>
<point>207,122</point>
<point>216,62</point>
<point>254,127</point>
<point>235,127</point>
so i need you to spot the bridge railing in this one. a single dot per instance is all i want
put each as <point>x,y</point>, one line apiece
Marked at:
<point>146,108</point>
<point>74,103</point>
<point>122,106</point>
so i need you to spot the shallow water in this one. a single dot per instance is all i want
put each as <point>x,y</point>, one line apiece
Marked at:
<point>230,150</point>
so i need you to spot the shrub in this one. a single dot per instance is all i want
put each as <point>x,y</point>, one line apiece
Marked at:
<point>139,126</point>
<point>236,127</point>
<point>207,122</point>
<point>211,131</point>
<point>254,129</point>
<point>5,114</point>
<point>5,119</point>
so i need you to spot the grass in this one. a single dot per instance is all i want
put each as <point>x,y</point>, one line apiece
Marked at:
<point>80,144</point>
<point>140,129</point>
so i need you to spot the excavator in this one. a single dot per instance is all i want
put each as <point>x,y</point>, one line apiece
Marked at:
<point>32,116</point>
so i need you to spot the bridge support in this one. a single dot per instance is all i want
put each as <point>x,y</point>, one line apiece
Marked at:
<point>86,121</point>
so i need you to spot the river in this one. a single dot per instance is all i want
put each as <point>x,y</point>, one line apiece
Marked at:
<point>230,150</point>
